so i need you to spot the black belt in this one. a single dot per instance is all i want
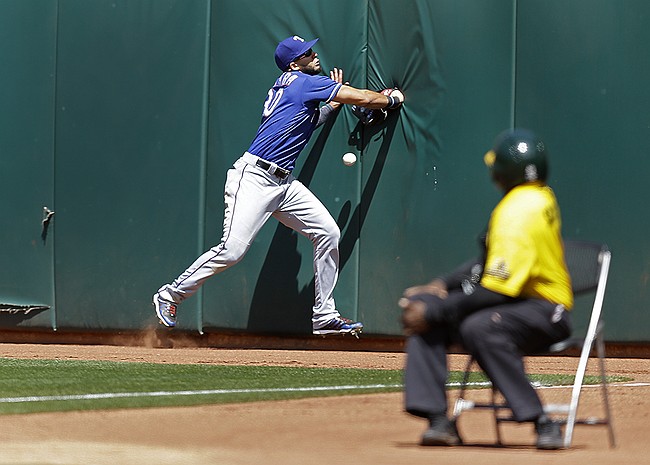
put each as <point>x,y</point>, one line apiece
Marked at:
<point>266,166</point>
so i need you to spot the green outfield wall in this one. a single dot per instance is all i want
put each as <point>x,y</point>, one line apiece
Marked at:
<point>122,117</point>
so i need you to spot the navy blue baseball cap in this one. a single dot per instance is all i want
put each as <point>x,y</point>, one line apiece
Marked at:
<point>290,49</point>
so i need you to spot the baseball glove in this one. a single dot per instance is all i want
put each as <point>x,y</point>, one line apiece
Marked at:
<point>369,117</point>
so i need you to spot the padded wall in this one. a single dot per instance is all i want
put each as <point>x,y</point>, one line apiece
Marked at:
<point>130,149</point>
<point>124,115</point>
<point>426,193</point>
<point>584,88</point>
<point>27,81</point>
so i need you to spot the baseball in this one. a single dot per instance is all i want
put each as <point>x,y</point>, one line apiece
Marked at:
<point>349,159</point>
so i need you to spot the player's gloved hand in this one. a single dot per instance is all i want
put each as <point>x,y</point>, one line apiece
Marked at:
<point>369,117</point>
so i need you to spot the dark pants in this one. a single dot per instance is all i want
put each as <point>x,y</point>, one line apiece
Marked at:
<point>497,337</point>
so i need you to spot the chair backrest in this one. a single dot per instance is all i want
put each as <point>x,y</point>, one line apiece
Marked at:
<point>585,261</point>
<point>588,265</point>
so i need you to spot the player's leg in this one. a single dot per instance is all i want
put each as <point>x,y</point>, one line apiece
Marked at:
<point>493,337</point>
<point>499,337</point>
<point>425,378</point>
<point>301,211</point>
<point>250,198</point>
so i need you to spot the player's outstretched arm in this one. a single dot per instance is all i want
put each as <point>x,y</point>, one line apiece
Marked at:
<point>368,98</point>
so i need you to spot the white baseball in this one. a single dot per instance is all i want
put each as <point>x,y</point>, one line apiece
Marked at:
<point>349,159</point>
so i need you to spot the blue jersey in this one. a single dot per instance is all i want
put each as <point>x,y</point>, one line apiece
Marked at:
<point>290,115</point>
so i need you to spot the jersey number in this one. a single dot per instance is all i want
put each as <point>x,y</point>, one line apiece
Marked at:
<point>272,101</point>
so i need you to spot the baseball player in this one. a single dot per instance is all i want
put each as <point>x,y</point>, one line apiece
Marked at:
<point>261,184</point>
<point>511,301</point>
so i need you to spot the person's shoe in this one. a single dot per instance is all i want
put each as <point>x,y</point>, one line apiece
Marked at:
<point>165,310</point>
<point>549,434</point>
<point>442,432</point>
<point>339,325</point>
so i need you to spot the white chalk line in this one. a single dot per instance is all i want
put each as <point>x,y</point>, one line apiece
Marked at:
<point>209,392</point>
<point>201,392</point>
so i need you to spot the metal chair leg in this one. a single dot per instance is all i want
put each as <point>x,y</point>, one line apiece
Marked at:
<point>600,348</point>
<point>497,424</point>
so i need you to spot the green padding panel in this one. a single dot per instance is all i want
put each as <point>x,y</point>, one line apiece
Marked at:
<point>27,38</point>
<point>272,288</point>
<point>584,87</point>
<point>123,117</point>
<point>427,194</point>
<point>130,148</point>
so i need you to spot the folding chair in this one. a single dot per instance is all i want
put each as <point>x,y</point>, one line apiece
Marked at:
<point>588,265</point>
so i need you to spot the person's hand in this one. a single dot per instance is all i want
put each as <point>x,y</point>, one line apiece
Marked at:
<point>398,94</point>
<point>413,316</point>
<point>436,287</point>
<point>336,75</point>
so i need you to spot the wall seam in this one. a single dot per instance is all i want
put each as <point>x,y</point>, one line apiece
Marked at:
<point>513,84</point>
<point>53,315</point>
<point>205,117</point>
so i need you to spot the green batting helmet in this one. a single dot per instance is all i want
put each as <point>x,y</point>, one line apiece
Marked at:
<point>518,156</point>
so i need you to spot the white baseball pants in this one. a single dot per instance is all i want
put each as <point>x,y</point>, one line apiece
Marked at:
<point>252,195</point>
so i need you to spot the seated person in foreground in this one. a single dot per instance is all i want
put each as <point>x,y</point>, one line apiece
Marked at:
<point>513,300</point>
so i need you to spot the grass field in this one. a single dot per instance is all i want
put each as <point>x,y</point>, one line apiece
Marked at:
<point>28,386</point>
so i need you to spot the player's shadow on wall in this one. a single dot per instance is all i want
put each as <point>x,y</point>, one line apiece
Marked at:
<point>278,304</point>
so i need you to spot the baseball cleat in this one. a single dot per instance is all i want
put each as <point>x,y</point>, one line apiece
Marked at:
<point>165,311</point>
<point>339,325</point>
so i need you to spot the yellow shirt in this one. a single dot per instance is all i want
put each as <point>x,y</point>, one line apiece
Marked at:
<point>525,253</point>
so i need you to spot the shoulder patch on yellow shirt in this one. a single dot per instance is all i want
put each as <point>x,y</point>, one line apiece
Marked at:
<point>498,269</point>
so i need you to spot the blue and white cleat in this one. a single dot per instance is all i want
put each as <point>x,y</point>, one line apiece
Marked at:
<point>339,325</point>
<point>165,311</point>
